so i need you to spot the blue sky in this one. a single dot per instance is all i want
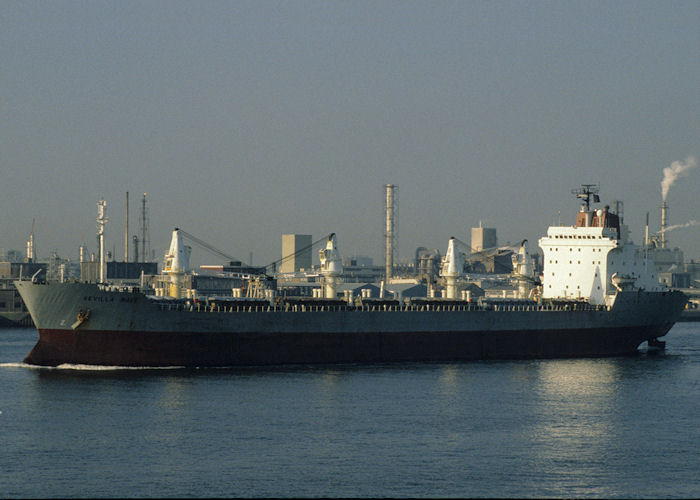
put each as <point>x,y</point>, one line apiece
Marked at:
<point>245,120</point>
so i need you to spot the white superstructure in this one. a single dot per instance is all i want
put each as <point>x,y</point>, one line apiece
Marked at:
<point>590,261</point>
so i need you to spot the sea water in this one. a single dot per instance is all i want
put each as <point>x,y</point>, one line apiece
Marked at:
<point>611,427</point>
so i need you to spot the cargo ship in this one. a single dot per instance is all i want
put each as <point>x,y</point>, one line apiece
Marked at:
<point>598,295</point>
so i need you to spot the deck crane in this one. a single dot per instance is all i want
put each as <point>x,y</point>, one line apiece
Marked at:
<point>272,267</point>
<point>207,246</point>
<point>268,269</point>
<point>256,283</point>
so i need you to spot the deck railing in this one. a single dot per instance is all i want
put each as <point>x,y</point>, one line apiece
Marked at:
<point>305,308</point>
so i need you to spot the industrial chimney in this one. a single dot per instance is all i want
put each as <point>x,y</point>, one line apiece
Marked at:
<point>31,251</point>
<point>664,222</point>
<point>126,230</point>
<point>143,223</point>
<point>102,220</point>
<point>390,236</point>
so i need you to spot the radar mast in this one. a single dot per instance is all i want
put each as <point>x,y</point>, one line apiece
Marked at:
<point>588,193</point>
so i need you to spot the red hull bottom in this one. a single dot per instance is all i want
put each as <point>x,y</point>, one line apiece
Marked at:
<point>157,349</point>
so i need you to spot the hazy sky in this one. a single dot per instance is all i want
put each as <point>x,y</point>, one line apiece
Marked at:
<point>245,120</point>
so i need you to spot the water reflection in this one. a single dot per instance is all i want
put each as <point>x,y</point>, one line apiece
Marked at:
<point>574,430</point>
<point>578,378</point>
<point>448,379</point>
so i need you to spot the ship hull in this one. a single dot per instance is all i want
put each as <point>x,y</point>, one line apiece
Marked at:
<point>57,347</point>
<point>125,329</point>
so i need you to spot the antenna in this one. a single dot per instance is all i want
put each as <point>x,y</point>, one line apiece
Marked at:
<point>588,193</point>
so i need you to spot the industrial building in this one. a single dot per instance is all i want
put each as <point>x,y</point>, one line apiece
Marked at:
<point>491,261</point>
<point>90,271</point>
<point>483,238</point>
<point>13,312</point>
<point>361,270</point>
<point>427,264</point>
<point>20,270</point>
<point>296,253</point>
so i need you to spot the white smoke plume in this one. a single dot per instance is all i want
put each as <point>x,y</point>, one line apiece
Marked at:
<point>690,223</point>
<point>674,171</point>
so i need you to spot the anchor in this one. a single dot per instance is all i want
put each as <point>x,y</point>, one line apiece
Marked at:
<point>82,318</point>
